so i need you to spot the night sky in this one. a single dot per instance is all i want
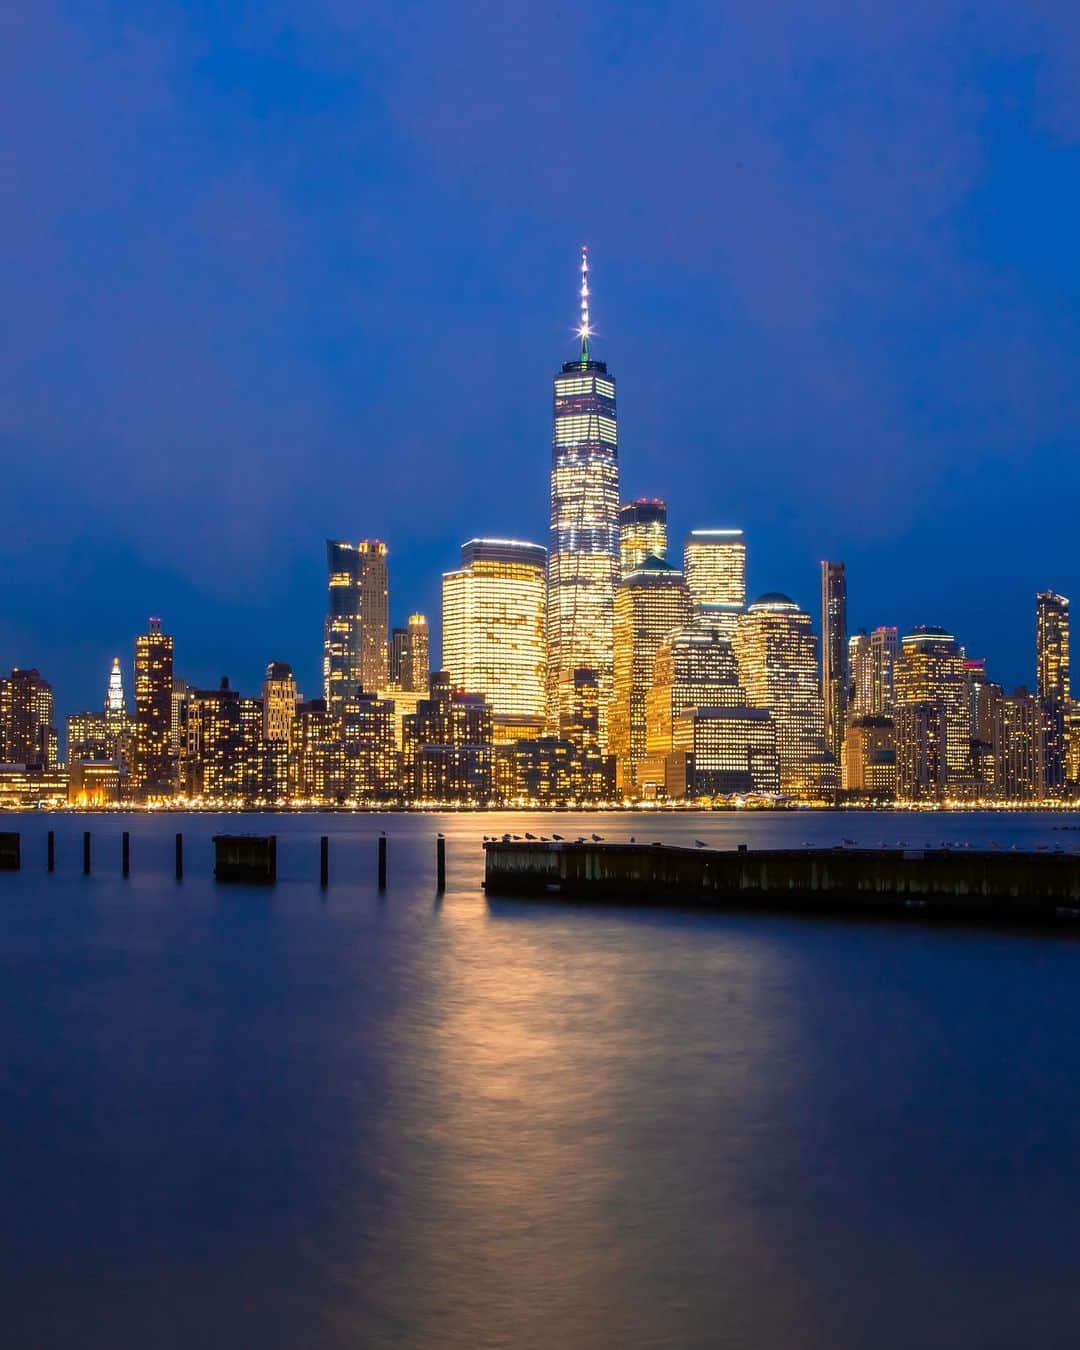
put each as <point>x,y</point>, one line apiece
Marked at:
<point>273,272</point>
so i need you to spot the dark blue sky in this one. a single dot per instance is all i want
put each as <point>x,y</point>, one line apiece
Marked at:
<point>273,272</point>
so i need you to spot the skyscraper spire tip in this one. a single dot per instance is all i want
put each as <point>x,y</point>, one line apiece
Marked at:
<point>584,330</point>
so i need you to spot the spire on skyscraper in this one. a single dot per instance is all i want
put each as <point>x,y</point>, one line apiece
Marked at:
<point>584,330</point>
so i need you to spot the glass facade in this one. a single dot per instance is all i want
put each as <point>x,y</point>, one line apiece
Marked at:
<point>493,629</point>
<point>583,559</point>
<point>776,649</point>
<point>933,717</point>
<point>834,653</point>
<point>642,532</point>
<point>356,640</point>
<point>714,562</point>
<point>651,604</point>
<point>1052,686</point>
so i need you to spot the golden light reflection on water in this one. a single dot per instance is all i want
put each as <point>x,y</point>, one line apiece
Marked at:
<point>555,1093</point>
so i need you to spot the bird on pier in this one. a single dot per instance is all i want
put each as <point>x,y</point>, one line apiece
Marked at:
<point>633,840</point>
<point>557,837</point>
<point>530,836</point>
<point>598,838</point>
<point>699,843</point>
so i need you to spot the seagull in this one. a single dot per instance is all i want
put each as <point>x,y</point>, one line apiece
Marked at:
<point>558,837</point>
<point>443,836</point>
<point>699,843</point>
<point>530,836</point>
<point>598,838</point>
<point>633,840</point>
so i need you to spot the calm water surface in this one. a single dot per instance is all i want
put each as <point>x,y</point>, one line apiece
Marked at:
<point>302,1119</point>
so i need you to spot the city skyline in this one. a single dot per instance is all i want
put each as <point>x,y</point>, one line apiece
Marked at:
<point>580,581</point>
<point>841,310</point>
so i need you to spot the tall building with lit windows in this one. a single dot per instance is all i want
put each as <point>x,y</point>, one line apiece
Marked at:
<point>356,640</point>
<point>884,646</point>
<point>1052,687</point>
<point>279,700</point>
<point>493,631</point>
<point>415,672</point>
<point>933,717</point>
<point>27,734</point>
<point>583,561</point>
<point>776,649</point>
<point>860,676</point>
<point>714,562</point>
<point>152,760</point>
<point>642,532</point>
<point>651,604</point>
<point>834,653</point>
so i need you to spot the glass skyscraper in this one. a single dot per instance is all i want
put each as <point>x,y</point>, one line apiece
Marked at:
<point>493,630</point>
<point>356,641</point>
<point>833,652</point>
<point>583,561</point>
<point>642,532</point>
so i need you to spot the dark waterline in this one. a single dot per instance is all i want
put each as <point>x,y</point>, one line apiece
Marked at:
<point>304,1118</point>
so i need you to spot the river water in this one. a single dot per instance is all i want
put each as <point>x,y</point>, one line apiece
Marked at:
<point>296,1118</point>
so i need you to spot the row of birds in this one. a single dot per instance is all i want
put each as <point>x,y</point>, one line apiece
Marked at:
<point>700,843</point>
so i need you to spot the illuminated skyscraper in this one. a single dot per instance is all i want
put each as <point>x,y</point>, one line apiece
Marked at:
<point>933,717</point>
<point>493,631</point>
<point>356,640</point>
<point>583,564</point>
<point>27,734</point>
<point>833,653</point>
<point>415,675</point>
<point>1052,686</point>
<point>884,645</point>
<point>104,735</point>
<point>694,675</point>
<point>714,562</point>
<point>279,700</point>
<point>642,531</point>
<point>399,647</point>
<point>152,760</point>
<point>651,604</point>
<point>776,650</point>
<point>115,703</point>
<point>860,668</point>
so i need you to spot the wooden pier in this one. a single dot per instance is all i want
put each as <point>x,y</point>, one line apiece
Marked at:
<point>941,882</point>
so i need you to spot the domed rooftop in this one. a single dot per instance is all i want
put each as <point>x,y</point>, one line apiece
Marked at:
<point>774,598</point>
<point>926,631</point>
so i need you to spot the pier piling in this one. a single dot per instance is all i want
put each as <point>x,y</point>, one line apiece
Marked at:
<point>245,857</point>
<point>10,852</point>
<point>50,851</point>
<point>179,857</point>
<point>440,864</point>
<point>324,861</point>
<point>382,862</point>
<point>125,854</point>
<point>86,853</point>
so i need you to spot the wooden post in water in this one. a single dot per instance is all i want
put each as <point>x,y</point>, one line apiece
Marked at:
<point>86,853</point>
<point>382,862</point>
<point>179,857</point>
<point>50,851</point>
<point>324,861</point>
<point>440,864</point>
<point>125,854</point>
